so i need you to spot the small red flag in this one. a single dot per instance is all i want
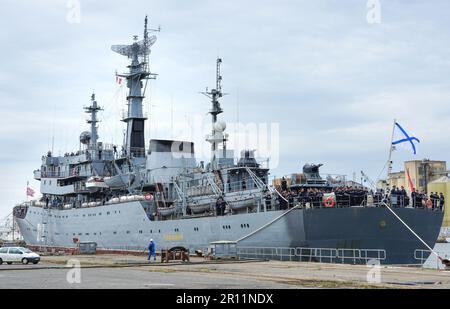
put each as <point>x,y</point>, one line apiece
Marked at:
<point>409,180</point>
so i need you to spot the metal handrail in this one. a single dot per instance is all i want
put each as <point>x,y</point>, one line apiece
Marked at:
<point>321,255</point>
<point>214,186</point>
<point>422,252</point>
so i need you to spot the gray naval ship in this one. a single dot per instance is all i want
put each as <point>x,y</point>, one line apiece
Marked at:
<point>120,198</point>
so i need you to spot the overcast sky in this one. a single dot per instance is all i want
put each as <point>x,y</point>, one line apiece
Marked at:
<point>330,81</point>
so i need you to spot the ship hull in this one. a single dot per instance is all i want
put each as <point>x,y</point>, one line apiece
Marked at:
<point>125,226</point>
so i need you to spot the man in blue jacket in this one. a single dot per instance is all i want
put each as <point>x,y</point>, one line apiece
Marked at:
<point>152,250</point>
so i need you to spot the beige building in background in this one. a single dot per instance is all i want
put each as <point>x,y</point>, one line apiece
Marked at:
<point>427,176</point>
<point>442,185</point>
<point>422,172</point>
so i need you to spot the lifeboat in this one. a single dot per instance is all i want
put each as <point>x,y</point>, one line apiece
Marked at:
<point>166,211</point>
<point>95,183</point>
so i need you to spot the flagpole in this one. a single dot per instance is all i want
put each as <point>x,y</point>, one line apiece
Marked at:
<point>391,149</point>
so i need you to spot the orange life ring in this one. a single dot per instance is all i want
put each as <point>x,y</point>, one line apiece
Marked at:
<point>329,202</point>
<point>429,204</point>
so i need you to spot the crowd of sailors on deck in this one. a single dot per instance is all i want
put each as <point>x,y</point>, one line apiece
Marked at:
<point>400,198</point>
<point>356,196</point>
<point>314,197</point>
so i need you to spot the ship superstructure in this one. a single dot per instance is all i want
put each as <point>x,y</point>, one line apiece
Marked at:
<point>121,196</point>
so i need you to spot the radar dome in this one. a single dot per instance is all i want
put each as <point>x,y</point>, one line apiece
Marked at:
<point>85,137</point>
<point>220,126</point>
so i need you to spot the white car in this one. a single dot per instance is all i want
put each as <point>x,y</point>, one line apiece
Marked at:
<point>22,255</point>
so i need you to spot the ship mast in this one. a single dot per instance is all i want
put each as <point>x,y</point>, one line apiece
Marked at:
<point>93,109</point>
<point>390,162</point>
<point>138,52</point>
<point>217,128</point>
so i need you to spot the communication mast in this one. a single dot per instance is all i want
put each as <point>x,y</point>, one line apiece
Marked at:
<point>217,136</point>
<point>138,52</point>
<point>93,110</point>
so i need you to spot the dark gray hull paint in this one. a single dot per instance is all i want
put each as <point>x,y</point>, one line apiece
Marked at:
<point>354,228</point>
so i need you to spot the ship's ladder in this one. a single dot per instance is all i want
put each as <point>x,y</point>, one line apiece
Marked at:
<point>180,192</point>
<point>181,195</point>
<point>218,179</point>
<point>161,194</point>
<point>44,225</point>
<point>214,186</point>
<point>261,185</point>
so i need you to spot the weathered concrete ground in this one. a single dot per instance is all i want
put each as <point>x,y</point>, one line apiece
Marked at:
<point>113,271</point>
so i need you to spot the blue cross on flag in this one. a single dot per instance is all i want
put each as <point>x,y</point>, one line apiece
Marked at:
<point>401,137</point>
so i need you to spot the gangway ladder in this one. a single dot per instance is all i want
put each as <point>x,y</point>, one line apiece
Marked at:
<point>181,195</point>
<point>45,226</point>
<point>218,179</point>
<point>161,194</point>
<point>214,186</point>
<point>261,185</point>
